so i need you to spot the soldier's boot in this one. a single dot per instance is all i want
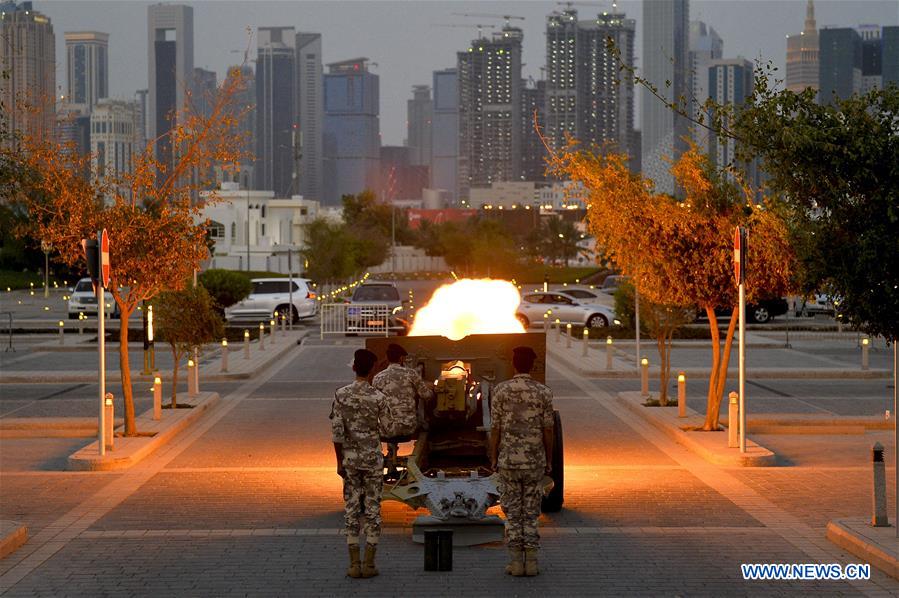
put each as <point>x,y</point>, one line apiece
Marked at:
<point>368,567</point>
<point>515,567</point>
<point>355,568</point>
<point>530,562</point>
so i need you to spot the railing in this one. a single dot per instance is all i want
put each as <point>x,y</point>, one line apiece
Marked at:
<point>346,318</point>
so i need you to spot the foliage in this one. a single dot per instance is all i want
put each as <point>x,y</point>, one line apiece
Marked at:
<point>157,239</point>
<point>226,287</point>
<point>332,252</point>
<point>679,253</point>
<point>185,320</point>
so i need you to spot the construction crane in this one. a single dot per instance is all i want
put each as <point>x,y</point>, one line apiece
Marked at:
<point>483,15</point>
<point>593,4</point>
<point>479,26</point>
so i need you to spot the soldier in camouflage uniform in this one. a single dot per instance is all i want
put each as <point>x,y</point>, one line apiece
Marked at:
<point>356,420</point>
<point>521,445</point>
<point>401,386</point>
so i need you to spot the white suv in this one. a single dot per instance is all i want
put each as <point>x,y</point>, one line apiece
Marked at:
<point>270,295</point>
<point>83,300</point>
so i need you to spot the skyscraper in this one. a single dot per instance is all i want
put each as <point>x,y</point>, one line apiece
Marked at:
<point>490,110</point>
<point>244,106</point>
<point>729,82</point>
<point>533,152</point>
<point>310,113</point>
<point>587,96</point>
<point>872,57</point>
<point>445,132</point>
<point>419,113</point>
<point>802,54</point>
<point>352,131</point>
<point>141,97</point>
<point>114,137</point>
<point>28,55</point>
<point>665,66</point>
<point>840,63</point>
<point>87,68</point>
<point>170,35</point>
<point>277,140</point>
<point>890,61</point>
<point>705,46</point>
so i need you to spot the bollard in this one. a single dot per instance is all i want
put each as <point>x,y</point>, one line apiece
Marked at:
<point>609,351</point>
<point>681,394</point>
<point>110,421</point>
<point>586,341</point>
<point>191,379</point>
<point>246,344</point>
<point>261,336</point>
<point>157,398</point>
<point>197,368</point>
<point>866,344</point>
<point>733,420</point>
<point>558,331</point>
<point>62,333</point>
<point>283,325</point>
<point>840,324</point>
<point>224,355</point>
<point>271,330</point>
<point>81,319</point>
<point>644,378</point>
<point>568,336</point>
<point>879,491</point>
<point>546,323</point>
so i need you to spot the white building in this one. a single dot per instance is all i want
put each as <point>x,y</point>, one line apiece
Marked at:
<point>115,137</point>
<point>253,230</point>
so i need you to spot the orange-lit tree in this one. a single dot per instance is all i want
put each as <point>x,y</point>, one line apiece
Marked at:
<point>157,237</point>
<point>679,253</point>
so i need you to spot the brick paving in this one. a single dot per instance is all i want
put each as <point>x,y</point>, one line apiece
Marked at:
<point>247,503</point>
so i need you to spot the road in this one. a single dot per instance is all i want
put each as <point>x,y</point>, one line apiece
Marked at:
<point>248,503</point>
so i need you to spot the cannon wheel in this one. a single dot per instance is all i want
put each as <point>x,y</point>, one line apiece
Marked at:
<point>552,502</point>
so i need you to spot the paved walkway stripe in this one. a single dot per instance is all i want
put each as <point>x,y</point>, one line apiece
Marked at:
<point>55,536</point>
<point>810,541</point>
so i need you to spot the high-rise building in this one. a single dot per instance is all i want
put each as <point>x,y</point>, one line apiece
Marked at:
<point>205,88</point>
<point>872,57</point>
<point>666,67</point>
<point>802,54</point>
<point>840,63</point>
<point>114,137</point>
<point>170,36</point>
<point>419,113</point>
<point>28,56</point>
<point>140,97</point>
<point>87,68</point>
<point>445,133</point>
<point>276,135</point>
<point>310,113</point>
<point>588,97</point>
<point>705,46</point>
<point>400,179</point>
<point>73,133</point>
<point>729,83</point>
<point>352,131</point>
<point>244,106</point>
<point>533,152</point>
<point>490,110</point>
<point>890,56</point>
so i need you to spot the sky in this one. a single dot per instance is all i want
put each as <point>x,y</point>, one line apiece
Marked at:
<point>405,40</point>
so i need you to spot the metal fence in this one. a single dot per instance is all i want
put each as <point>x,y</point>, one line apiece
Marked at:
<point>346,318</point>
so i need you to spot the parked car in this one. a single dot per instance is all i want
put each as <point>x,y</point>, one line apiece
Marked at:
<point>585,296</point>
<point>270,295</point>
<point>611,283</point>
<point>819,303</point>
<point>362,315</point>
<point>759,313</point>
<point>83,300</point>
<point>564,307</point>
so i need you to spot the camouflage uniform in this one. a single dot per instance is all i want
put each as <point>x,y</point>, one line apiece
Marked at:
<point>356,416</point>
<point>401,385</point>
<point>521,409</point>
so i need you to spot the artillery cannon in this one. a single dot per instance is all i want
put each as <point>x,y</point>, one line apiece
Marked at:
<point>449,471</point>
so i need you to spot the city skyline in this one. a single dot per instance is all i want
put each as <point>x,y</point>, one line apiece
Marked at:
<point>221,35</point>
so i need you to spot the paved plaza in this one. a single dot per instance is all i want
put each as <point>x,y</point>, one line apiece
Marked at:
<point>247,502</point>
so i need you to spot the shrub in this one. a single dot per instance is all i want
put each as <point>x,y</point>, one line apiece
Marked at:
<point>226,287</point>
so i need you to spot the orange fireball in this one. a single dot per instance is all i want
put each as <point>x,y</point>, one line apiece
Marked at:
<point>470,306</point>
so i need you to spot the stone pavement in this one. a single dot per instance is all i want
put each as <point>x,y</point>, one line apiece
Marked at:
<point>247,503</point>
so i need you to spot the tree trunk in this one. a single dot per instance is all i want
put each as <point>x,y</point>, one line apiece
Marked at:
<point>725,361</point>
<point>176,358</point>
<point>125,369</point>
<point>712,405</point>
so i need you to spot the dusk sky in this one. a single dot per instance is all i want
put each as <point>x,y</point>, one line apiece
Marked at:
<point>404,41</point>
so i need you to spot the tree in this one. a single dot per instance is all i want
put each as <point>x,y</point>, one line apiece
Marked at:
<point>156,234</point>
<point>185,320</point>
<point>679,253</point>
<point>225,286</point>
<point>331,251</point>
